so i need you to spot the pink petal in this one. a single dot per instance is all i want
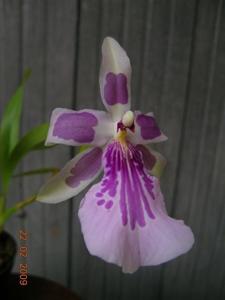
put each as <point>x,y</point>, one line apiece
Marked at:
<point>124,219</point>
<point>79,127</point>
<point>146,130</point>
<point>73,178</point>
<point>114,79</point>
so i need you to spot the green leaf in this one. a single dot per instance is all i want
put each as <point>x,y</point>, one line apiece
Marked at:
<point>10,128</point>
<point>10,124</point>
<point>38,172</point>
<point>33,140</point>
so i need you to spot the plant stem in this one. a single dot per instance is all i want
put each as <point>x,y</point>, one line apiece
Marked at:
<point>25,202</point>
<point>14,209</point>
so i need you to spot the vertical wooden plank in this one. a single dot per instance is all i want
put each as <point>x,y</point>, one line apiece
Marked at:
<point>201,124</point>
<point>10,76</point>
<point>48,48</point>
<point>10,48</point>
<point>34,51</point>
<point>210,188</point>
<point>215,231</point>
<point>87,91</point>
<point>62,19</point>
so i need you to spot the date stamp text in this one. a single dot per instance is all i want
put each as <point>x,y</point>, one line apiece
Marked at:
<point>23,253</point>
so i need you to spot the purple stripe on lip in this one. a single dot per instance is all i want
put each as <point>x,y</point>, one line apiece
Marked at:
<point>115,89</point>
<point>126,177</point>
<point>75,126</point>
<point>86,167</point>
<point>148,126</point>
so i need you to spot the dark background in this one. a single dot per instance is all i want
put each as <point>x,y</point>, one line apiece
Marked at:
<point>177,51</point>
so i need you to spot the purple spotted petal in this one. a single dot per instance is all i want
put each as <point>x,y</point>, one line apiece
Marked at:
<point>79,127</point>
<point>115,74</point>
<point>149,127</point>
<point>115,89</point>
<point>77,174</point>
<point>146,130</point>
<point>124,219</point>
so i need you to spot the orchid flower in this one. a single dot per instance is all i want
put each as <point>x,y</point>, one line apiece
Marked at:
<point>123,217</point>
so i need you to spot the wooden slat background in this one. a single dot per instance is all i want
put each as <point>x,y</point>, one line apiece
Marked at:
<point>177,50</point>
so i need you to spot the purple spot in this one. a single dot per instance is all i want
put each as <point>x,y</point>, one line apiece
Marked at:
<point>109,204</point>
<point>104,182</point>
<point>75,126</point>
<point>98,195</point>
<point>101,202</point>
<point>115,89</point>
<point>148,126</point>
<point>85,168</point>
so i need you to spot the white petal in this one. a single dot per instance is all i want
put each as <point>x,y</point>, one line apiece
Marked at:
<point>146,129</point>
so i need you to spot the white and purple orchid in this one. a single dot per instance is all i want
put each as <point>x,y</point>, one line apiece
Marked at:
<point>123,217</point>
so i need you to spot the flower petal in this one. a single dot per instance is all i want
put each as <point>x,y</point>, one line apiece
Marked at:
<point>114,78</point>
<point>146,130</point>
<point>79,127</point>
<point>73,178</point>
<point>124,219</point>
<point>154,161</point>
